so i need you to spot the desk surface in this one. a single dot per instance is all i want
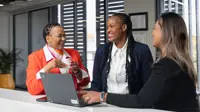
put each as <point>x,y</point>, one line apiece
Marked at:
<point>14,101</point>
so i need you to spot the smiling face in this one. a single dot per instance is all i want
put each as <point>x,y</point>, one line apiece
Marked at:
<point>115,29</point>
<point>56,37</point>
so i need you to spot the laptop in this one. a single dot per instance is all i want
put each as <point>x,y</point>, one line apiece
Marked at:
<point>60,89</point>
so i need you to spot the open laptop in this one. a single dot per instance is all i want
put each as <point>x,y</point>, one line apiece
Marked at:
<point>59,88</point>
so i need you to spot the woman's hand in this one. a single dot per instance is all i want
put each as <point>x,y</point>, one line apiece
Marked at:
<point>75,70</point>
<point>91,96</point>
<point>53,64</point>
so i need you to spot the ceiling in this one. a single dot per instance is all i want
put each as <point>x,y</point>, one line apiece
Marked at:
<point>17,5</point>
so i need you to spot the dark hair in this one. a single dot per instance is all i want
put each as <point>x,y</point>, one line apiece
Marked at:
<point>48,28</point>
<point>124,19</point>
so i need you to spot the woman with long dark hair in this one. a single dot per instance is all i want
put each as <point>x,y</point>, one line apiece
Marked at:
<point>172,85</point>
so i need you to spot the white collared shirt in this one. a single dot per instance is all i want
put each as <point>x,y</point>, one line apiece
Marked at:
<point>117,75</point>
<point>65,58</point>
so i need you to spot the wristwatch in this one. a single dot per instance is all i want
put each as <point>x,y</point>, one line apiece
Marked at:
<point>102,94</point>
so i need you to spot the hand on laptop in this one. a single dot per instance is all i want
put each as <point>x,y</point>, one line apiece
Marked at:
<point>90,96</point>
<point>53,64</point>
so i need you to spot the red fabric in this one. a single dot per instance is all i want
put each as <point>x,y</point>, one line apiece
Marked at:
<point>36,61</point>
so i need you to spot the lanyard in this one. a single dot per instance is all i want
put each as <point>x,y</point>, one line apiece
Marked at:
<point>53,54</point>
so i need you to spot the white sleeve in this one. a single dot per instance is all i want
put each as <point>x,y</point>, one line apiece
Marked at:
<point>64,70</point>
<point>38,74</point>
<point>84,75</point>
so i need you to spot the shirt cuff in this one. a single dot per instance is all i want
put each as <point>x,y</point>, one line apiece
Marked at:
<point>84,75</point>
<point>64,70</point>
<point>38,74</point>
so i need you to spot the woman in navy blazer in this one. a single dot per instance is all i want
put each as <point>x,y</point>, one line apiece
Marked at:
<point>138,57</point>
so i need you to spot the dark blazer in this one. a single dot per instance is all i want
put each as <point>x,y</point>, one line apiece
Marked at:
<point>168,88</point>
<point>139,69</point>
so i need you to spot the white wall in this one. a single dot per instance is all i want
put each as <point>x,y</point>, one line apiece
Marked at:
<point>91,34</point>
<point>134,6</point>
<point>4,30</point>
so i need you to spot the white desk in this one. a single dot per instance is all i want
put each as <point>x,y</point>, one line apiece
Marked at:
<point>19,101</point>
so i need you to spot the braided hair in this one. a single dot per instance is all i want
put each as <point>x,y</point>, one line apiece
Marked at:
<point>47,29</point>
<point>124,19</point>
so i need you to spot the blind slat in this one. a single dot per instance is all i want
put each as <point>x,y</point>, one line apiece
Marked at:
<point>113,6</point>
<point>73,16</point>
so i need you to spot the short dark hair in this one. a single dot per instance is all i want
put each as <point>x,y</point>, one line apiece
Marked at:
<point>48,28</point>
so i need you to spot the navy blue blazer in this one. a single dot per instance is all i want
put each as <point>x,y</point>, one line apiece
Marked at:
<point>139,69</point>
